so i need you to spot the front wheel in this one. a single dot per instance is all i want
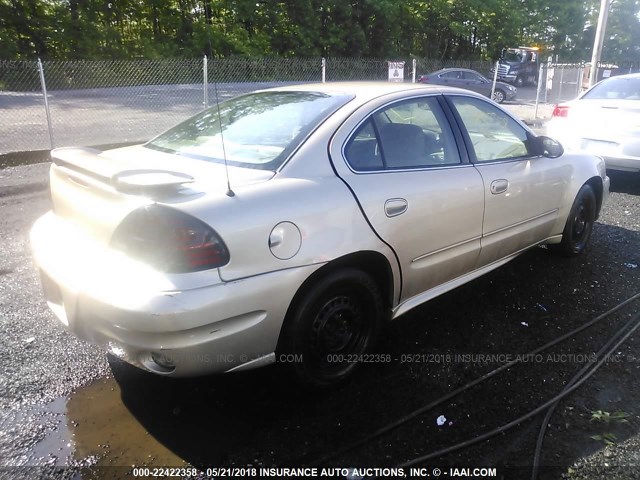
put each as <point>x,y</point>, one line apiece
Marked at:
<point>519,81</point>
<point>579,226</point>
<point>331,327</point>
<point>498,96</point>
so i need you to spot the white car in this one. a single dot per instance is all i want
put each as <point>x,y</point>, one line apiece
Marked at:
<point>604,120</point>
<point>293,223</point>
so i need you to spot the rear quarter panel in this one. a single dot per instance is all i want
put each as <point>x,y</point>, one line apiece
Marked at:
<point>307,193</point>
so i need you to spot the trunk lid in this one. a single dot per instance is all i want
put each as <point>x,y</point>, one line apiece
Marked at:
<point>96,190</point>
<point>605,119</point>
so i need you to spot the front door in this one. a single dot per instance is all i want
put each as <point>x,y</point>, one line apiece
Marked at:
<point>523,190</point>
<point>403,164</point>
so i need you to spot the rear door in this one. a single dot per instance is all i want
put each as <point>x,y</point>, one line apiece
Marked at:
<point>452,78</point>
<point>522,190</point>
<point>420,196</point>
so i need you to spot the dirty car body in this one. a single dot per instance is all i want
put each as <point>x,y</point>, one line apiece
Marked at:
<point>341,206</point>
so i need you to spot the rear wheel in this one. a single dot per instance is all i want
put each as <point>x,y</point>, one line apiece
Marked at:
<point>333,325</point>
<point>577,230</point>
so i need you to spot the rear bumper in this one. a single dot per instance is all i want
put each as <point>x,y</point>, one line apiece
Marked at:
<point>140,315</point>
<point>619,153</point>
<point>627,164</point>
<point>606,188</point>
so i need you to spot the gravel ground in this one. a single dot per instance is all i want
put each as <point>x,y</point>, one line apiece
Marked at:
<point>63,403</point>
<point>40,362</point>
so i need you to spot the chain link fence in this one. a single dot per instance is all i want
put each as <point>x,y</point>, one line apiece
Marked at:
<point>562,82</point>
<point>112,102</point>
<point>23,119</point>
<point>115,102</point>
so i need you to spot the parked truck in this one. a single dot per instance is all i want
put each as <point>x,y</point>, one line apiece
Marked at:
<point>519,66</point>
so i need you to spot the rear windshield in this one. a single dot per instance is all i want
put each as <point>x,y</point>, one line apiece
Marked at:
<point>619,88</point>
<point>259,130</point>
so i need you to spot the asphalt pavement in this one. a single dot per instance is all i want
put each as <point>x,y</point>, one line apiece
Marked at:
<point>65,403</point>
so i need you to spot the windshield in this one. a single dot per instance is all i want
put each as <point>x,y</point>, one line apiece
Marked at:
<point>511,56</point>
<point>259,130</point>
<point>618,88</point>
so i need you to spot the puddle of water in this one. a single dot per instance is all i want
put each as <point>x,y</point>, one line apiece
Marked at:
<point>57,444</point>
<point>96,428</point>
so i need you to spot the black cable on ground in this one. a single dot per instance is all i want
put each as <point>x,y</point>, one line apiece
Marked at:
<point>532,413</point>
<point>574,379</point>
<point>391,426</point>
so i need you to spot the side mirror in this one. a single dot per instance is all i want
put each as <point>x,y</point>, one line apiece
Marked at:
<point>548,147</point>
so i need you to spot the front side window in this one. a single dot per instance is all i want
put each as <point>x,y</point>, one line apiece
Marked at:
<point>410,134</point>
<point>258,130</point>
<point>494,134</point>
<point>473,76</point>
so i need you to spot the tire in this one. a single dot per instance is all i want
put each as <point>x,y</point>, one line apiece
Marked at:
<point>499,96</point>
<point>336,321</point>
<point>579,226</point>
<point>519,81</point>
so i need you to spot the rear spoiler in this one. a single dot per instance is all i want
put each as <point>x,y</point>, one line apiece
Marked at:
<point>90,162</point>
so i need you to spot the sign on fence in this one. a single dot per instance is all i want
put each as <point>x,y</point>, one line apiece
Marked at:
<point>396,71</point>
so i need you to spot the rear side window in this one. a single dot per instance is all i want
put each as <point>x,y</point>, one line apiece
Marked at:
<point>494,134</point>
<point>410,134</point>
<point>616,88</point>
<point>453,75</point>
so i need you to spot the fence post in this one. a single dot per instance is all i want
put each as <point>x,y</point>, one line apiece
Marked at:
<point>324,70</point>
<point>535,113</point>
<point>46,102</point>
<point>495,78</point>
<point>205,80</point>
<point>413,75</point>
<point>579,81</point>
<point>561,80</point>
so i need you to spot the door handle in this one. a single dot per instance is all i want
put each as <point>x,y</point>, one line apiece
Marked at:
<point>499,186</point>
<point>395,206</point>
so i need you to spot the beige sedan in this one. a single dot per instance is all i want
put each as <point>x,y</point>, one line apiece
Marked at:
<point>292,224</point>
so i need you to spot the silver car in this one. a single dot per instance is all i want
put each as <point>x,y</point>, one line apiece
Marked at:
<point>605,120</point>
<point>291,224</point>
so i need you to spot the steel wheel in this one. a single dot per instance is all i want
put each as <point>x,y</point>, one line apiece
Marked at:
<point>333,325</point>
<point>579,226</point>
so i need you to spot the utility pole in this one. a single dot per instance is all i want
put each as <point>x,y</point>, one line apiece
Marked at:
<point>599,40</point>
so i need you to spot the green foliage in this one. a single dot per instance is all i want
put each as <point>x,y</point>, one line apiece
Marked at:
<point>608,420</point>
<point>434,29</point>
<point>606,438</point>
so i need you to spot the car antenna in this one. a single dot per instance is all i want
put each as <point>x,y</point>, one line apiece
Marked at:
<point>230,192</point>
<point>215,89</point>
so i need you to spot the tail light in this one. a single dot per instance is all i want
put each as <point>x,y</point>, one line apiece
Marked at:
<point>560,111</point>
<point>169,240</point>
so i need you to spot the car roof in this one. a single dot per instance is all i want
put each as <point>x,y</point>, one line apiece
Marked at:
<point>626,75</point>
<point>365,91</point>
<point>455,69</point>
